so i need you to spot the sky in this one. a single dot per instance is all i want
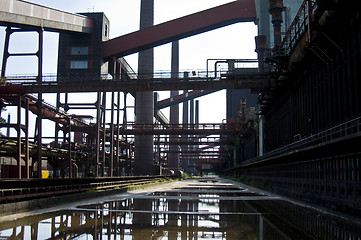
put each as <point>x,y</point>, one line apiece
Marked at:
<point>232,42</point>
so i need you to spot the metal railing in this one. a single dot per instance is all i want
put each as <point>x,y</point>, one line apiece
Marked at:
<point>342,130</point>
<point>204,126</point>
<point>298,26</point>
<point>157,77</point>
<point>191,140</point>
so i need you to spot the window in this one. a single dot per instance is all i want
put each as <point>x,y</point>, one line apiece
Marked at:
<point>78,64</point>
<point>79,51</point>
<point>106,30</point>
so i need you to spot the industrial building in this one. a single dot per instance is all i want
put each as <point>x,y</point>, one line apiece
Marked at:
<point>293,122</point>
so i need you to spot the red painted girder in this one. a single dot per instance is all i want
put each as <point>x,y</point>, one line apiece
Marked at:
<point>11,89</point>
<point>183,97</point>
<point>238,11</point>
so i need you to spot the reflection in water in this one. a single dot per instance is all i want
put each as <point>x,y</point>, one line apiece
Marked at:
<point>184,214</point>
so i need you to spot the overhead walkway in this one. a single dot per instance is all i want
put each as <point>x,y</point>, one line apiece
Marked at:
<point>18,13</point>
<point>217,17</point>
<point>52,84</point>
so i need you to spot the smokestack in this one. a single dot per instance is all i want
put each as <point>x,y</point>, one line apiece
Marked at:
<point>173,156</point>
<point>144,103</point>
<point>276,9</point>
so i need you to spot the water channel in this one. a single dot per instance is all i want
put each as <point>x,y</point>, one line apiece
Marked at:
<point>206,208</point>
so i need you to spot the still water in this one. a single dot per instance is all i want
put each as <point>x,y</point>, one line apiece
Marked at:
<point>209,208</point>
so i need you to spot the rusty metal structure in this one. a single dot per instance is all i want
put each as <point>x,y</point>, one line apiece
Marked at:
<point>302,139</point>
<point>94,144</point>
<point>311,118</point>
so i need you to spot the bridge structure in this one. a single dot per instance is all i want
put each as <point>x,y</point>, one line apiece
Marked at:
<point>303,142</point>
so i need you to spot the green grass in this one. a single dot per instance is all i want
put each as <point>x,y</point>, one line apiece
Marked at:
<point>184,176</point>
<point>246,180</point>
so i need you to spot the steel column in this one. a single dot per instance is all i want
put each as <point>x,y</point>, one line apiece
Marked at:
<point>127,145</point>
<point>112,137</point>
<point>39,105</point>
<point>97,144</point>
<point>104,134</point>
<point>57,127</point>
<point>117,150</point>
<point>69,149</point>
<point>185,120</point>
<point>18,129</point>
<point>26,158</point>
<point>173,158</point>
<point>143,164</point>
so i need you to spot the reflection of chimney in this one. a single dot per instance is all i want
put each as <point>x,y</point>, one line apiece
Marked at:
<point>276,9</point>
<point>243,107</point>
<point>242,112</point>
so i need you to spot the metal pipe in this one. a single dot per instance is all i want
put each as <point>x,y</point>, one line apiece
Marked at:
<point>276,9</point>
<point>215,67</point>
<point>225,61</point>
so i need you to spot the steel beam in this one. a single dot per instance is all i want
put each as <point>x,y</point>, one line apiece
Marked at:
<point>256,84</point>
<point>40,104</point>
<point>227,14</point>
<point>183,97</point>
